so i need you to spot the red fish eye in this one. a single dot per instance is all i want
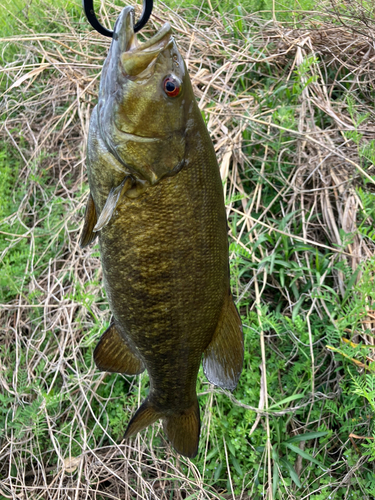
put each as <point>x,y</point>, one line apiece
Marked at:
<point>172,86</point>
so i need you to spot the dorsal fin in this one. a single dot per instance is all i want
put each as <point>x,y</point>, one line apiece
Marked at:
<point>112,354</point>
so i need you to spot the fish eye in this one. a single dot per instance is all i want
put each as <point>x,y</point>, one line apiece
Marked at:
<point>172,86</point>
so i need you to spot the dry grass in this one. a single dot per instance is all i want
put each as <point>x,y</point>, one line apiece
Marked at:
<point>52,88</point>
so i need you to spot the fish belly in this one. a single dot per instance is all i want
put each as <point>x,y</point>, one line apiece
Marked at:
<point>165,265</point>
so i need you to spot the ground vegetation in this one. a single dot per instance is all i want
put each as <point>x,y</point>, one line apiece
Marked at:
<point>287,93</point>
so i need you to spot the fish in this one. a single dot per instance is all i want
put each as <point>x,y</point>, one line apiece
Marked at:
<point>156,204</point>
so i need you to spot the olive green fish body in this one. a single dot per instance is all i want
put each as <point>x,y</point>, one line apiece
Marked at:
<point>157,203</point>
<point>167,287</point>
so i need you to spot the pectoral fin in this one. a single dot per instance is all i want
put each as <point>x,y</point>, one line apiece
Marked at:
<point>112,354</point>
<point>113,199</point>
<point>87,235</point>
<point>223,358</point>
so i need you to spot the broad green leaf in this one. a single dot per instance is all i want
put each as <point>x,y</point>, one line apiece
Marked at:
<point>272,262</point>
<point>212,453</point>
<point>289,265</point>
<point>282,277</point>
<point>275,478</point>
<point>297,307</point>
<point>218,471</point>
<point>230,446</point>
<point>304,454</point>
<point>306,437</point>
<point>237,466</point>
<point>258,242</point>
<point>292,472</point>
<point>287,400</point>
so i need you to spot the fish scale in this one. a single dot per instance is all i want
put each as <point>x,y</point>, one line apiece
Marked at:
<point>156,202</point>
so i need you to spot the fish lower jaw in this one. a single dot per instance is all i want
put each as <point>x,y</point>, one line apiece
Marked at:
<point>139,63</point>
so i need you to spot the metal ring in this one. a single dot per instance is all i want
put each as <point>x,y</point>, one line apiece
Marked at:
<point>145,16</point>
<point>88,7</point>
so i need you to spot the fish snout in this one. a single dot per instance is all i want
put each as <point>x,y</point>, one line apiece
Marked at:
<point>136,57</point>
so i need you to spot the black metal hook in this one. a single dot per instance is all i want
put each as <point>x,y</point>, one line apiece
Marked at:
<point>88,7</point>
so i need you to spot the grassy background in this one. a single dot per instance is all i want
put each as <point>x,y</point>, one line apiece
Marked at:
<point>287,94</point>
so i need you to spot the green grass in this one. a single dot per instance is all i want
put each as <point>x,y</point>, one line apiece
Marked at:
<point>53,307</point>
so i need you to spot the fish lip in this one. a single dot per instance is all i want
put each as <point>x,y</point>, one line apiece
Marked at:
<point>127,40</point>
<point>162,37</point>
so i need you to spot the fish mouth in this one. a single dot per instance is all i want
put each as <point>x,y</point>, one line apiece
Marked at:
<point>136,57</point>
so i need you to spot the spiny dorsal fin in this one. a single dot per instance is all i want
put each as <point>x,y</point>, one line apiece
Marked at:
<point>113,200</point>
<point>223,358</point>
<point>87,235</point>
<point>112,354</point>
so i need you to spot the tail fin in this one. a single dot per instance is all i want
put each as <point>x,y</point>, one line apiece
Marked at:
<point>182,428</point>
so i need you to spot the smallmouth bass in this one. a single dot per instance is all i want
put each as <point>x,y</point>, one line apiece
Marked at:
<point>156,202</point>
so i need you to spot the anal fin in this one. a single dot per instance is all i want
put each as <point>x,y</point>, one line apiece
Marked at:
<point>112,354</point>
<point>87,235</point>
<point>223,358</point>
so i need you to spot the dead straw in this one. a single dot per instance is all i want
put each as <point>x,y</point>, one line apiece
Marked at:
<point>52,85</point>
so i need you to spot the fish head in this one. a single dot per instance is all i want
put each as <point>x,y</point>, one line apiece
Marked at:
<point>144,101</point>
